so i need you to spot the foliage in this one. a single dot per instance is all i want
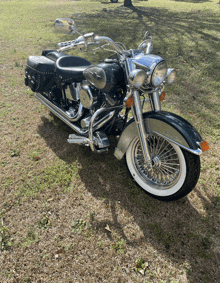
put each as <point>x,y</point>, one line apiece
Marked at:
<point>119,245</point>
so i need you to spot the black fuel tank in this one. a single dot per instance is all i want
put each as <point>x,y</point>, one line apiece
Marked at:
<point>105,76</point>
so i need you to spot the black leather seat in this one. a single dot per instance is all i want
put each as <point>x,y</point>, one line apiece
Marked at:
<point>70,68</point>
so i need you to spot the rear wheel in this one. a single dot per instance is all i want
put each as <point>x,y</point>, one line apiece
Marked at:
<point>175,171</point>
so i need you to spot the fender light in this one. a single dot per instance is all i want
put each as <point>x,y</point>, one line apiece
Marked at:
<point>204,146</point>
<point>162,96</point>
<point>128,102</point>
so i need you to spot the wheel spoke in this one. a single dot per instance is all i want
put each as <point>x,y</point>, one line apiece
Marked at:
<point>165,153</point>
<point>170,167</point>
<point>163,150</point>
<point>166,164</point>
<point>161,146</point>
<point>169,171</point>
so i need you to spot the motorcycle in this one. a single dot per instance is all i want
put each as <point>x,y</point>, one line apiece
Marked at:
<point>162,149</point>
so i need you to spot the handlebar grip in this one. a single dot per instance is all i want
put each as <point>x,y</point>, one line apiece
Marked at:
<point>65,43</point>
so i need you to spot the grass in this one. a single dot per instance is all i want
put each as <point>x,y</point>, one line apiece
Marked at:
<point>71,215</point>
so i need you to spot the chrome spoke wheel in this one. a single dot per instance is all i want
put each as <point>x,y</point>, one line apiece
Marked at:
<point>166,164</point>
<point>169,167</point>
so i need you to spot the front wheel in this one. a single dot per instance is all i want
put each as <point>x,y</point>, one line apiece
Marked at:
<point>175,171</point>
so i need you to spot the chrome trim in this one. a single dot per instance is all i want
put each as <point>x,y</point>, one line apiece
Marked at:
<point>129,66</point>
<point>104,120</point>
<point>137,113</point>
<point>86,97</point>
<point>133,78</point>
<point>153,126</point>
<point>78,139</point>
<point>194,151</point>
<point>61,117</point>
<point>142,66</point>
<point>69,115</point>
<point>73,126</point>
<point>101,139</point>
<point>100,123</point>
<point>112,43</point>
<point>150,61</point>
<point>155,101</point>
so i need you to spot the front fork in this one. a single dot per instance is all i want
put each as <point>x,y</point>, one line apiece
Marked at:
<point>138,116</point>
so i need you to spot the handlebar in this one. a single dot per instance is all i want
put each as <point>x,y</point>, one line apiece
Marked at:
<point>65,43</point>
<point>109,40</point>
<point>81,42</point>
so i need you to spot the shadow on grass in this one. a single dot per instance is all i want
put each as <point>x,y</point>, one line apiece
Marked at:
<point>187,40</point>
<point>192,1</point>
<point>176,230</point>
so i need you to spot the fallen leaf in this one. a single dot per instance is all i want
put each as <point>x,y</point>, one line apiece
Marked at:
<point>158,270</point>
<point>141,271</point>
<point>108,228</point>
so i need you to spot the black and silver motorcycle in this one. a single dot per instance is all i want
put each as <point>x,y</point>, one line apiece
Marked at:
<point>162,149</point>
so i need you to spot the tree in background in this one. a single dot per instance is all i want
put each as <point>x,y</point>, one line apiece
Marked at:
<point>128,3</point>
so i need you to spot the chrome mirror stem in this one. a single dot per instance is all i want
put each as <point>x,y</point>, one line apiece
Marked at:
<point>137,113</point>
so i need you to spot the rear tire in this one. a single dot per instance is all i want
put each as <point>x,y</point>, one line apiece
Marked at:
<point>175,171</point>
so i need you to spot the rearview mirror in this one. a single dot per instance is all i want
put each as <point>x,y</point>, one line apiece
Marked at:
<point>65,25</point>
<point>146,46</point>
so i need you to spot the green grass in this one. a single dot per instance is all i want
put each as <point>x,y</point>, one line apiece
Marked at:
<point>57,175</point>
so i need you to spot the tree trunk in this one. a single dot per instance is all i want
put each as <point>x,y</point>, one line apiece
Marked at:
<point>127,3</point>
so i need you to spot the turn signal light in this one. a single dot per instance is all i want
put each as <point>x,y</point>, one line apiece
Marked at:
<point>129,102</point>
<point>204,146</point>
<point>162,96</point>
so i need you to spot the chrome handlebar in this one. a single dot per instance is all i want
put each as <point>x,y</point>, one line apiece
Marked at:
<point>65,43</point>
<point>112,43</point>
<point>82,42</point>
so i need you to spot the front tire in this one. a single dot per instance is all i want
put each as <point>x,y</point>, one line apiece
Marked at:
<point>175,171</point>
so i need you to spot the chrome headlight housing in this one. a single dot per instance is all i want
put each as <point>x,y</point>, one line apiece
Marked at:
<point>137,78</point>
<point>171,75</point>
<point>159,74</point>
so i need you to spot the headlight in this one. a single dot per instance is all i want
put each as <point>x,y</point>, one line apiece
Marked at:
<point>171,75</point>
<point>159,74</point>
<point>137,78</point>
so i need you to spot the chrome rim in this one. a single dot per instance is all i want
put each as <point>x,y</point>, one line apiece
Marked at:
<point>166,163</point>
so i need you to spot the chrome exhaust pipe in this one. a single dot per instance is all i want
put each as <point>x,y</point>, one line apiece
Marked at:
<point>54,109</point>
<point>69,115</point>
<point>63,116</point>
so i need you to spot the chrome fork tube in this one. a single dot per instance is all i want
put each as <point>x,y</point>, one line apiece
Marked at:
<point>155,101</point>
<point>137,113</point>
